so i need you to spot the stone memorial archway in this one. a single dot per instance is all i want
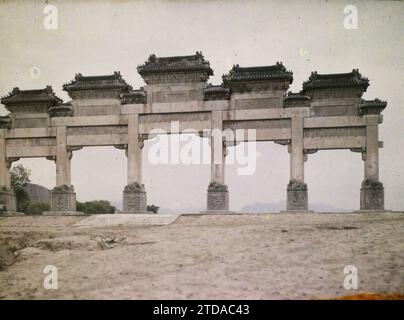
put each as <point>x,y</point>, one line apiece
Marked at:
<point>328,113</point>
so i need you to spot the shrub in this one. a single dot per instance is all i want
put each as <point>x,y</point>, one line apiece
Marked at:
<point>153,208</point>
<point>95,207</point>
<point>37,208</point>
<point>23,200</point>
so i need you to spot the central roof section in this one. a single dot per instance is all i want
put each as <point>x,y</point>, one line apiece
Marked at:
<point>192,68</point>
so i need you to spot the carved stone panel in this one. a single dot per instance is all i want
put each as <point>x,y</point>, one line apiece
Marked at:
<point>218,197</point>
<point>7,200</point>
<point>263,103</point>
<point>134,198</point>
<point>372,195</point>
<point>297,198</point>
<point>63,198</point>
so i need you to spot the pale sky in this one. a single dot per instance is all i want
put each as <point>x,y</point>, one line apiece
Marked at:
<point>99,37</point>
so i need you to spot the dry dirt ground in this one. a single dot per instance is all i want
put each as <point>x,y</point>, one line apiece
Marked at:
<point>271,256</point>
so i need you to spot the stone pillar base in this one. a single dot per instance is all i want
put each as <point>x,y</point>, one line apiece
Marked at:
<point>372,195</point>
<point>8,204</point>
<point>218,197</point>
<point>62,201</point>
<point>297,198</point>
<point>134,199</point>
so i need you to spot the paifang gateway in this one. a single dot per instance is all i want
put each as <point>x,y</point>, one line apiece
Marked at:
<point>328,113</point>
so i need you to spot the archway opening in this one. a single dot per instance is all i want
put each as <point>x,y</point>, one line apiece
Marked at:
<point>99,173</point>
<point>264,189</point>
<point>173,181</point>
<point>333,179</point>
<point>42,176</point>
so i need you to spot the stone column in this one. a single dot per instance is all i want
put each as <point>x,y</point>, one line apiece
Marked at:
<point>218,195</point>
<point>297,198</point>
<point>372,190</point>
<point>7,196</point>
<point>62,197</point>
<point>134,194</point>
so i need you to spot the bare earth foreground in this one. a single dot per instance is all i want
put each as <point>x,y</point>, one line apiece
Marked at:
<point>203,257</point>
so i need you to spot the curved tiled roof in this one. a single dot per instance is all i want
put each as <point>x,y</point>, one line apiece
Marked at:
<point>373,103</point>
<point>336,80</point>
<point>296,96</point>
<point>262,73</point>
<point>113,81</point>
<point>38,95</point>
<point>134,96</point>
<point>215,92</point>
<point>190,63</point>
<point>375,106</point>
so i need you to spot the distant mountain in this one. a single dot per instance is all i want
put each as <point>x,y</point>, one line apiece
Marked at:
<point>37,193</point>
<point>262,207</point>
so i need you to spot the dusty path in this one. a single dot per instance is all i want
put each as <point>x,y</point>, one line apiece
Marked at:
<point>231,257</point>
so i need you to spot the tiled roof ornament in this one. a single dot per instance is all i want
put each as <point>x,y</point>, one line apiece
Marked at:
<point>245,79</point>
<point>375,106</point>
<point>192,68</point>
<point>103,82</point>
<point>38,100</point>
<point>351,79</point>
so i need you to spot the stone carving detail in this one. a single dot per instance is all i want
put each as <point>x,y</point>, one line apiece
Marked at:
<point>218,197</point>
<point>7,200</point>
<point>97,130</point>
<point>334,132</point>
<point>297,185</point>
<point>63,198</point>
<point>372,195</point>
<point>61,110</point>
<point>32,142</point>
<point>217,187</point>
<point>134,198</point>
<point>5,122</point>
<point>63,188</point>
<point>134,188</point>
<point>297,198</point>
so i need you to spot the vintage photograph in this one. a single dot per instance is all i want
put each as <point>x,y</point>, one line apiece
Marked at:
<point>201,150</point>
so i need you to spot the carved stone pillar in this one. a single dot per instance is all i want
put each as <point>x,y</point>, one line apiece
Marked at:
<point>62,197</point>
<point>134,193</point>
<point>372,190</point>
<point>62,201</point>
<point>218,194</point>
<point>7,196</point>
<point>297,197</point>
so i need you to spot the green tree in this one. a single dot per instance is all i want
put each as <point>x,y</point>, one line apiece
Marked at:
<point>95,207</point>
<point>153,208</point>
<point>19,177</point>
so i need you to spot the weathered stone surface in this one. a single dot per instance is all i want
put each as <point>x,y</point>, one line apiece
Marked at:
<point>134,198</point>
<point>218,197</point>
<point>297,198</point>
<point>372,195</point>
<point>63,198</point>
<point>7,200</point>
